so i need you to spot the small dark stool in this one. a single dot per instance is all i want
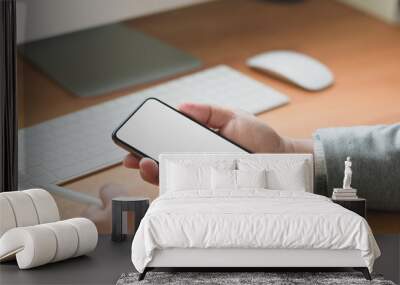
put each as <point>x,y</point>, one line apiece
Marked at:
<point>121,205</point>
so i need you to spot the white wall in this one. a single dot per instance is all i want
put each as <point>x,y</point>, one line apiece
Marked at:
<point>388,10</point>
<point>38,19</point>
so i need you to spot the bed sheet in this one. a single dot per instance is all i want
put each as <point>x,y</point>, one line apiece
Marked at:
<point>251,218</point>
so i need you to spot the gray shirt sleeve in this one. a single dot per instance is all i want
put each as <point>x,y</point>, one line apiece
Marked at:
<point>375,154</point>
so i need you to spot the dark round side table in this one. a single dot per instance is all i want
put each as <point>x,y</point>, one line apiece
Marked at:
<point>358,206</point>
<point>120,207</point>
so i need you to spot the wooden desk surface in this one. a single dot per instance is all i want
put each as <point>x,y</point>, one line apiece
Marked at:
<point>363,53</point>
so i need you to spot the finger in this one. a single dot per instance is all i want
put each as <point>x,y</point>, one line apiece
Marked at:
<point>109,191</point>
<point>131,161</point>
<point>212,116</point>
<point>149,170</point>
<point>91,213</point>
<point>101,218</point>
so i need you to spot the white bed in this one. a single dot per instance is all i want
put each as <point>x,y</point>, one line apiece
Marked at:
<point>201,220</point>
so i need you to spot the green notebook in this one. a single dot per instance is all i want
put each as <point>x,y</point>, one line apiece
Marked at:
<point>99,60</point>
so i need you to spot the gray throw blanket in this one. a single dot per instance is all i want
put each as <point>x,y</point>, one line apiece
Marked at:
<point>375,153</point>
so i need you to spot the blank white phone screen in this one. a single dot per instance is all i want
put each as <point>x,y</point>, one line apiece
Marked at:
<point>155,128</point>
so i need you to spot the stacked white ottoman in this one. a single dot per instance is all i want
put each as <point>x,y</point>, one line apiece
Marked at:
<point>31,230</point>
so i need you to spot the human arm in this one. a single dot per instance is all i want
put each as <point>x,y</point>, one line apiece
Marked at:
<point>242,128</point>
<point>375,154</point>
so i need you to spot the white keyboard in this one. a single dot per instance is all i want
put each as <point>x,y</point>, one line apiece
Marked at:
<point>79,143</point>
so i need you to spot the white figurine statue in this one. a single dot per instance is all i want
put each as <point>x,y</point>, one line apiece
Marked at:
<point>347,174</point>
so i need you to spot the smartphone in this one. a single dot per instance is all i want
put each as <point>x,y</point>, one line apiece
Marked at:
<point>155,128</point>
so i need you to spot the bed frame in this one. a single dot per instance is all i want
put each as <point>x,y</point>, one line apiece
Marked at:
<point>242,259</point>
<point>246,259</point>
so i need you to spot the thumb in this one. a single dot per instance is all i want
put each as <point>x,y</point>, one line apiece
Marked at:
<point>211,116</point>
<point>109,191</point>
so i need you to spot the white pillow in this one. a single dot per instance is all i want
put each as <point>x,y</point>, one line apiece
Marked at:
<point>292,179</point>
<point>251,178</point>
<point>193,174</point>
<point>281,174</point>
<point>187,177</point>
<point>226,179</point>
<point>223,179</point>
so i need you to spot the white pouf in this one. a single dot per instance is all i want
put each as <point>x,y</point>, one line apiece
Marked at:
<point>87,233</point>
<point>40,244</point>
<point>26,208</point>
<point>23,208</point>
<point>31,232</point>
<point>33,246</point>
<point>45,205</point>
<point>67,239</point>
<point>7,220</point>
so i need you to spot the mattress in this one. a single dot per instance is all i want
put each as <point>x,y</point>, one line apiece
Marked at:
<point>250,219</point>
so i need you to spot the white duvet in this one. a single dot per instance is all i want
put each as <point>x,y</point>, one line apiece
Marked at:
<point>250,219</point>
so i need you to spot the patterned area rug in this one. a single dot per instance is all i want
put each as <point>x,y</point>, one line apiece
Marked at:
<point>230,278</point>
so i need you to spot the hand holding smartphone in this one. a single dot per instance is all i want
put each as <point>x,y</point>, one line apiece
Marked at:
<point>155,128</point>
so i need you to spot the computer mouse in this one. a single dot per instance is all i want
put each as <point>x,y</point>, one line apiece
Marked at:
<point>297,68</point>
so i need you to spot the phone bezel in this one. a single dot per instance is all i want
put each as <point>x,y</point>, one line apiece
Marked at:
<point>135,151</point>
